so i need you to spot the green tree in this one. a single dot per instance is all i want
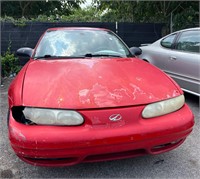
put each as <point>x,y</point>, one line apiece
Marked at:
<point>184,13</point>
<point>116,10</point>
<point>32,9</point>
<point>89,14</point>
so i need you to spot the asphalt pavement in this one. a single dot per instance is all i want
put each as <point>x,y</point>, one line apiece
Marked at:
<point>183,162</point>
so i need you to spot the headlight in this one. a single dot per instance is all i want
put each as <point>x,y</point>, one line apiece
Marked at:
<point>163,107</point>
<point>53,116</point>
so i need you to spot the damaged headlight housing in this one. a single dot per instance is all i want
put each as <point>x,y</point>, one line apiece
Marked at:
<point>163,107</point>
<point>43,116</point>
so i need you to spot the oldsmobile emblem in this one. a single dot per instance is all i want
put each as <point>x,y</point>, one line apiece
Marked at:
<point>115,117</point>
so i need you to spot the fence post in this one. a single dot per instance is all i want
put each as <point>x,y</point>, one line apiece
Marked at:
<point>116,27</point>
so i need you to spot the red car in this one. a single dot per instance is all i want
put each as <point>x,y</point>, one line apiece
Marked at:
<point>83,96</point>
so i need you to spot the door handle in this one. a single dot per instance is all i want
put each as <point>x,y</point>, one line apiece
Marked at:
<point>172,58</point>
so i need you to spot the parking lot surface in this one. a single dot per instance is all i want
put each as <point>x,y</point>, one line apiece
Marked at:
<point>183,162</point>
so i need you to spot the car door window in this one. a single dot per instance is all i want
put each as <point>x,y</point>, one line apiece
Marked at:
<point>168,41</point>
<point>189,41</point>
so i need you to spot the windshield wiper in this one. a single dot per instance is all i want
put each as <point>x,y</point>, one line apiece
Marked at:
<point>83,56</point>
<point>57,57</point>
<point>45,56</point>
<point>101,55</point>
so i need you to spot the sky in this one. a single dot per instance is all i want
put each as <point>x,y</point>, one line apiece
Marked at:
<point>87,3</point>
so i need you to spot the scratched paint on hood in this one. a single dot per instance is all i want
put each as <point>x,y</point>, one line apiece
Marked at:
<point>94,82</point>
<point>102,96</point>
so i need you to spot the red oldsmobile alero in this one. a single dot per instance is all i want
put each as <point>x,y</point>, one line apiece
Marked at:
<point>83,96</point>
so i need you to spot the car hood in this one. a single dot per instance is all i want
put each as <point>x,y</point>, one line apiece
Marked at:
<point>94,83</point>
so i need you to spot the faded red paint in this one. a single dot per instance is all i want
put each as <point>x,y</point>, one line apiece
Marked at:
<point>99,136</point>
<point>94,83</point>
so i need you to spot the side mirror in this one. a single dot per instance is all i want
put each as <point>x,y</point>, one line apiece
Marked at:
<point>24,55</point>
<point>24,52</point>
<point>135,51</point>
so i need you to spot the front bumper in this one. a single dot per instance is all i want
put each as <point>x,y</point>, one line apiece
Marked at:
<point>98,140</point>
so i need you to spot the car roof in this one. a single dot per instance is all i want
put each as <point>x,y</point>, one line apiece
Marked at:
<point>194,28</point>
<point>179,31</point>
<point>76,28</point>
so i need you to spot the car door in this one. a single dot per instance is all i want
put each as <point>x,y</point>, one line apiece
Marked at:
<point>183,62</point>
<point>162,51</point>
<point>159,52</point>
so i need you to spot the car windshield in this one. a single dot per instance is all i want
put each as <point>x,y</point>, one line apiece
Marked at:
<point>80,43</point>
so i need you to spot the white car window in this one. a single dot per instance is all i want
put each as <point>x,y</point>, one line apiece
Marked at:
<point>189,41</point>
<point>168,41</point>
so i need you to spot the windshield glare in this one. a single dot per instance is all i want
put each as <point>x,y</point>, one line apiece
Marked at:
<point>78,43</point>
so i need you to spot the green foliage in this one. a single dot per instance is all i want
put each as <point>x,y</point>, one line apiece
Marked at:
<point>9,64</point>
<point>90,14</point>
<point>21,22</point>
<point>185,13</point>
<point>185,19</point>
<point>79,15</point>
<point>31,9</point>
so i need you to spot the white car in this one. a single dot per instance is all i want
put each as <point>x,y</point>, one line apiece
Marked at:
<point>178,54</point>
